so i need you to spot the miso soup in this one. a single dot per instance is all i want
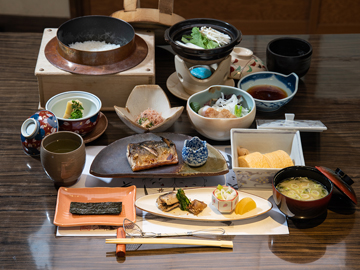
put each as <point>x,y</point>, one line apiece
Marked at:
<point>302,188</point>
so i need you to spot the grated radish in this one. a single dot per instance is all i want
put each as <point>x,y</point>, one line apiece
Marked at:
<point>149,118</point>
<point>222,103</point>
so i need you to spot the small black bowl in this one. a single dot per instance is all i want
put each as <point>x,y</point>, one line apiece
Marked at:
<point>301,209</point>
<point>175,33</point>
<point>287,54</point>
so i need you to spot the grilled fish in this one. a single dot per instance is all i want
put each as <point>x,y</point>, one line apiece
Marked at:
<point>168,201</point>
<point>151,154</point>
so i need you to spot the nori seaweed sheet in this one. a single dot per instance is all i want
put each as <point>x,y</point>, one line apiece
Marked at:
<point>102,208</point>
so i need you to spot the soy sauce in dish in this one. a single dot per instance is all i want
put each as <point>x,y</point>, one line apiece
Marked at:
<point>267,92</point>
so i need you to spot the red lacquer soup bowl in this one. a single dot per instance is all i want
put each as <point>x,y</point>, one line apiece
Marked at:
<point>300,209</point>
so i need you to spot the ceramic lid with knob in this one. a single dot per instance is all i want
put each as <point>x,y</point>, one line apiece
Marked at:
<point>244,62</point>
<point>35,128</point>
<point>341,180</point>
<point>289,123</point>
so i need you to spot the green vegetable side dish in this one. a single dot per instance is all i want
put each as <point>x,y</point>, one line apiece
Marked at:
<point>195,106</point>
<point>199,39</point>
<point>77,109</point>
<point>183,200</point>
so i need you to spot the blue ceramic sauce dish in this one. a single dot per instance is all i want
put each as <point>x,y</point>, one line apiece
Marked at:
<point>277,89</point>
<point>194,152</point>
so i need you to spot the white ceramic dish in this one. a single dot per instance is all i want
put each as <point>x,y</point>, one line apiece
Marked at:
<point>225,206</point>
<point>144,97</point>
<point>219,128</point>
<point>263,141</point>
<point>57,104</point>
<point>210,213</point>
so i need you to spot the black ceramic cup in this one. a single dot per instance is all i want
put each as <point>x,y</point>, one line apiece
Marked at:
<point>288,54</point>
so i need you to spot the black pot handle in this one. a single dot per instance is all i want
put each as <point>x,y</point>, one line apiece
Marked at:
<point>166,35</point>
<point>239,37</point>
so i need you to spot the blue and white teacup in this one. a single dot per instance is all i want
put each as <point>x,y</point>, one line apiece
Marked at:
<point>195,152</point>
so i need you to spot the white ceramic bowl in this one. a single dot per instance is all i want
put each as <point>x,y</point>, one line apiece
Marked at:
<point>144,97</point>
<point>289,83</point>
<point>91,103</point>
<point>225,206</point>
<point>219,128</point>
<point>263,141</point>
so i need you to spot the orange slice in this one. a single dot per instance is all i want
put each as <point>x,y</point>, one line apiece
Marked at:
<point>245,205</point>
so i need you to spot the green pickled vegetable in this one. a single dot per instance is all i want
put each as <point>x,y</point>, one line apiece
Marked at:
<point>238,110</point>
<point>183,200</point>
<point>195,106</point>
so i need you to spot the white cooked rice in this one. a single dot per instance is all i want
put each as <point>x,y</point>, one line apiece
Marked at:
<point>93,46</point>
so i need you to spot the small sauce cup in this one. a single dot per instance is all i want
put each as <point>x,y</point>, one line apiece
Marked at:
<point>195,152</point>
<point>225,206</point>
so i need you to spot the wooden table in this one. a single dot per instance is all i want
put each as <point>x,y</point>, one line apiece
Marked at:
<point>330,92</point>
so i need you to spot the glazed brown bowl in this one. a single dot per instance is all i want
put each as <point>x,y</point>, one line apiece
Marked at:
<point>296,208</point>
<point>96,28</point>
<point>175,33</point>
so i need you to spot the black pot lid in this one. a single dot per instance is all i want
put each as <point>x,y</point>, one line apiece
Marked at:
<point>341,180</point>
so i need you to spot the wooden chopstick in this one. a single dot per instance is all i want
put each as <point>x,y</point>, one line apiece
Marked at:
<point>194,242</point>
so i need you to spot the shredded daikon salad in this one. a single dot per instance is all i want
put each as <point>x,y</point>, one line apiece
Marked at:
<point>149,118</point>
<point>225,193</point>
<point>224,107</point>
<point>204,38</point>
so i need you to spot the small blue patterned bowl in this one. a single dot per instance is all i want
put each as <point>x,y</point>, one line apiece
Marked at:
<point>35,129</point>
<point>289,83</point>
<point>194,152</point>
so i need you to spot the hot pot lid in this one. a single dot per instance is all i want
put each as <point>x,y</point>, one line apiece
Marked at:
<point>341,180</point>
<point>290,124</point>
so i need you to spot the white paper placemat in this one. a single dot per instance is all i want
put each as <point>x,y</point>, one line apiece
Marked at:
<point>272,222</point>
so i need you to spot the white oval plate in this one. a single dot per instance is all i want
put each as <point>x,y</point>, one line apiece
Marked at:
<point>210,213</point>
